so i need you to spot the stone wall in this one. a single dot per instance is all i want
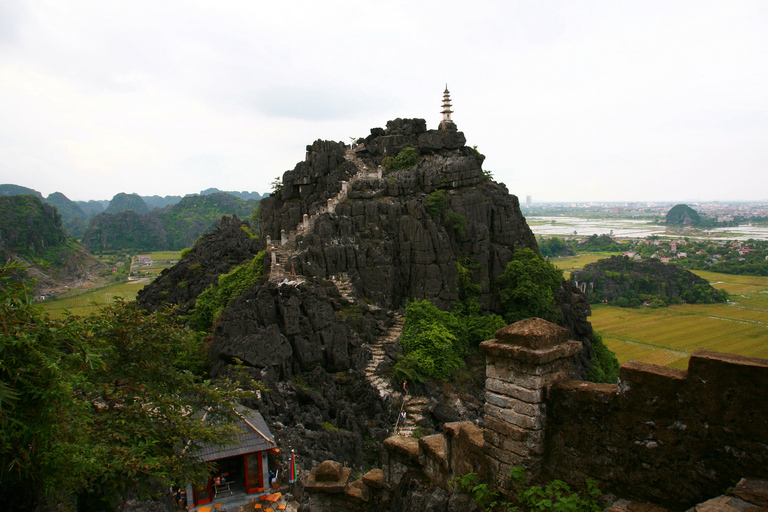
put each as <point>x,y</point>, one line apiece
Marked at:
<point>441,457</point>
<point>668,436</point>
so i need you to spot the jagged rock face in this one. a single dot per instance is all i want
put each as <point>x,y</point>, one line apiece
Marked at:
<point>384,236</point>
<point>215,253</point>
<point>293,329</point>
<point>306,342</point>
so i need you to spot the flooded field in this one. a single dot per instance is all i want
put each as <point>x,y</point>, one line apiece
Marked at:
<point>631,228</point>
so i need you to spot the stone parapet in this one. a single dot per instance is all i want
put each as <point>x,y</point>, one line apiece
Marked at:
<point>524,360</point>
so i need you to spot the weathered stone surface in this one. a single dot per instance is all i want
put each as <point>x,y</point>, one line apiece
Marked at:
<point>337,486</point>
<point>752,491</point>
<point>374,479</point>
<point>531,396</point>
<point>514,405</point>
<point>666,436</point>
<point>531,356</point>
<point>407,446</point>
<point>328,471</point>
<point>724,504</point>
<point>534,333</point>
<point>358,491</point>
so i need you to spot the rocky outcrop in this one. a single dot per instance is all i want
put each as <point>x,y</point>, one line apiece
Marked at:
<point>216,253</point>
<point>360,240</point>
<point>618,277</point>
<point>389,240</point>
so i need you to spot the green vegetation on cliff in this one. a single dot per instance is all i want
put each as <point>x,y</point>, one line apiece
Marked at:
<point>683,215</point>
<point>210,304</point>
<point>30,228</point>
<point>527,287</point>
<point>624,282</point>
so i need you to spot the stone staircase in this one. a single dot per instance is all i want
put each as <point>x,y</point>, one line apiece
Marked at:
<point>281,252</point>
<point>381,384</point>
<point>287,246</point>
<point>415,408</point>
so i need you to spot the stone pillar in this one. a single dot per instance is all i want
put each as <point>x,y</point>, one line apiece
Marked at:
<point>344,185</point>
<point>305,221</point>
<point>283,237</point>
<point>274,259</point>
<point>331,208</point>
<point>521,364</point>
<point>269,241</point>
<point>378,172</point>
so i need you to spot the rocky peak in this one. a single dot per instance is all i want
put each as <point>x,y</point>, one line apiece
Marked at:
<point>397,234</point>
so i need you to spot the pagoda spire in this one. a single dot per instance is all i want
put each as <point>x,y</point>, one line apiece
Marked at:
<point>447,123</point>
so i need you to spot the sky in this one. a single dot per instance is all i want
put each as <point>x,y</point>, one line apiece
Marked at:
<point>570,101</point>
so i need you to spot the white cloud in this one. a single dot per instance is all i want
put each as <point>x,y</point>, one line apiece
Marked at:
<point>568,100</point>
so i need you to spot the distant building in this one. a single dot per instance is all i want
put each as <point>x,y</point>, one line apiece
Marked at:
<point>145,259</point>
<point>528,201</point>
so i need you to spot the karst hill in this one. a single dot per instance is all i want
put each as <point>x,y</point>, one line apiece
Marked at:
<point>353,232</point>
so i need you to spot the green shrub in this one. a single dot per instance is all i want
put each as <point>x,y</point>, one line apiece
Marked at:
<point>527,287</point>
<point>605,366</point>
<point>210,304</point>
<point>456,221</point>
<point>184,252</point>
<point>405,159</point>
<point>556,496</point>
<point>436,202</point>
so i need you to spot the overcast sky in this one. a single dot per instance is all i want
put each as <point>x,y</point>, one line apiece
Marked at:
<point>569,101</point>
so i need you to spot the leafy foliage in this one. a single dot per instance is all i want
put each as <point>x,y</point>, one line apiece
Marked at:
<point>555,496</point>
<point>456,221</point>
<point>29,227</point>
<point>436,342</point>
<point>436,202</point>
<point>527,287</point>
<point>554,247</point>
<point>95,406</point>
<point>601,243</point>
<point>428,342</point>
<point>217,297</point>
<point>405,159</point>
<point>605,366</point>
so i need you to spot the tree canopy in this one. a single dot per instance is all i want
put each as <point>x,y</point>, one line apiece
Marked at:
<point>527,287</point>
<point>92,407</point>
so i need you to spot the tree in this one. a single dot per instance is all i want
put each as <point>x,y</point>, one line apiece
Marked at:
<point>527,287</point>
<point>429,345</point>
<point>91,407</point>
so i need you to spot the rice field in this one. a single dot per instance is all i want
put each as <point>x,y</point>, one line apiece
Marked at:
<point>88,302</point>
<point>667,336</point>
<point>570,263</point>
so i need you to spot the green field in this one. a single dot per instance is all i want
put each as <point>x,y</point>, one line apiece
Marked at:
<point>667,336</point>
<point>570,263</point>
<point>88,301</point>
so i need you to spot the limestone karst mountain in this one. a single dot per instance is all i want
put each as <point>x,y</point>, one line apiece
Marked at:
<point>32,231</point>
<point>351,235</point>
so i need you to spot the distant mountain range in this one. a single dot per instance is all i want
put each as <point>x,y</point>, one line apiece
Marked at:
<point>32,231</point>
<point>171,228</point>
<point>77,215</point>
